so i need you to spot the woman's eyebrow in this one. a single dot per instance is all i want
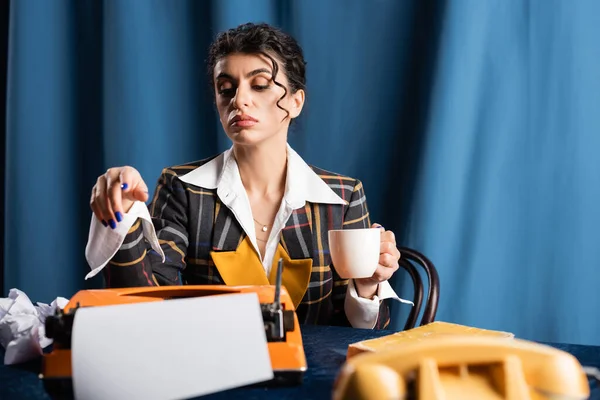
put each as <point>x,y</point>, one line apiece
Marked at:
<point>224,75</point>
<point>258,71</point>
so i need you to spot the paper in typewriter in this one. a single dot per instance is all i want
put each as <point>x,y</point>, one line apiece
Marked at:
<point>172,349</point>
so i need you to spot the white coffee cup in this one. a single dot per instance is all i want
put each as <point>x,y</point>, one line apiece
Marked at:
<point>355,252</point>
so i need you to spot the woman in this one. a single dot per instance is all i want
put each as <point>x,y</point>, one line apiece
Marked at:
<point>228,219</point>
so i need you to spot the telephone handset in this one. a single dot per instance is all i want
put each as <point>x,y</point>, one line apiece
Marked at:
<point>463,367</point>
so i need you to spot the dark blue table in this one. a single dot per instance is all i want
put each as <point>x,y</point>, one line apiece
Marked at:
<point>325,351</point>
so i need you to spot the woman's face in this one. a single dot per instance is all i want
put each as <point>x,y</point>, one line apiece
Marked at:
<point>246,98</point>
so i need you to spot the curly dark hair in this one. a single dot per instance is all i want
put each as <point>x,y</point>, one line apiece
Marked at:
<point>262,39</point>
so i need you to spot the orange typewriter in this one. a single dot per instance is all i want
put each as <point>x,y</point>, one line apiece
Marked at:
<point>281,327</point>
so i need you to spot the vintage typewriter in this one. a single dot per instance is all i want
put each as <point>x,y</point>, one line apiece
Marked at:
<point>281,327</point>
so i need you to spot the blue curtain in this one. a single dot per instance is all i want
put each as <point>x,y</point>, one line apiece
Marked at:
<point>473,125</point>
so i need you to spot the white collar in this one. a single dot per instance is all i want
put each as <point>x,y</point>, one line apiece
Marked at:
<point>302,183</point>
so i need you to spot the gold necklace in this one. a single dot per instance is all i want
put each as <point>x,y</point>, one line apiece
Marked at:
<point>264,227</point>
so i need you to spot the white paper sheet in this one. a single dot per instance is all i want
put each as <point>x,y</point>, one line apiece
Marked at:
<point>173,349</point>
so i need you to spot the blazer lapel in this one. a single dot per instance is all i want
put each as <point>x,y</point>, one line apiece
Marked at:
<point>296,237</point>
<point>233,254</point>
<point>227,233</point>
<point>296,274</point>
<point>240,267</point>
<point>238,264</point>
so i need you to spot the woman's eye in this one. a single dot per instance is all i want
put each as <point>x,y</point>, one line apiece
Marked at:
<point>260,87</point>
<point>227,91</point>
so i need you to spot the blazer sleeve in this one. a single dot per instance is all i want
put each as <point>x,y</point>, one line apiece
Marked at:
<point>357,217</point>
<point>136,263</point>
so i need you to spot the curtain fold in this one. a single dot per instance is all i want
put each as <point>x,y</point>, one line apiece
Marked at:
<point>473,126</point>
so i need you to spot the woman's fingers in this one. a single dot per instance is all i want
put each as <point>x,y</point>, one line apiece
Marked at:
<point>388,236</point>
<point>100,202</point>
<point>98,213</point>
<point>114,198</point>
<point>389,248</point>
<point>115,192</point>
<point>384,273</point>
<point>133,186</point>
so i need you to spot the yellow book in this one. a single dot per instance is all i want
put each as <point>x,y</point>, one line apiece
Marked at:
<point>430,331</point>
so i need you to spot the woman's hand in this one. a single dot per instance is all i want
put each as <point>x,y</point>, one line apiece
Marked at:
<point>115,192</point>
<point>388,264</point>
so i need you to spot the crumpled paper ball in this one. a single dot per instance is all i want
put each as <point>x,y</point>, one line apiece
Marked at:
<point>22,329</point>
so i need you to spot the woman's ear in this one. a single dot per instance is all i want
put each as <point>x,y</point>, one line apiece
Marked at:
<point>297,103</point>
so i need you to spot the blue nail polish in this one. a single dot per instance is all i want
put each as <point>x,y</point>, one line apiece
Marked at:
<point>124,186</point>
<point>119,216</point>
<point>112,224</point>
<point>104,223</point>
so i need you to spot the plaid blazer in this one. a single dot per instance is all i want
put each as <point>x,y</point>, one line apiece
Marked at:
<point>191,222</point>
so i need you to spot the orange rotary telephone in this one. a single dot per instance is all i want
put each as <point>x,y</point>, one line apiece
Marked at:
<point>463,367</point>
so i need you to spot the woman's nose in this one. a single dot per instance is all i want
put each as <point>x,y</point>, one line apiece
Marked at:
<point>242,97</point>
